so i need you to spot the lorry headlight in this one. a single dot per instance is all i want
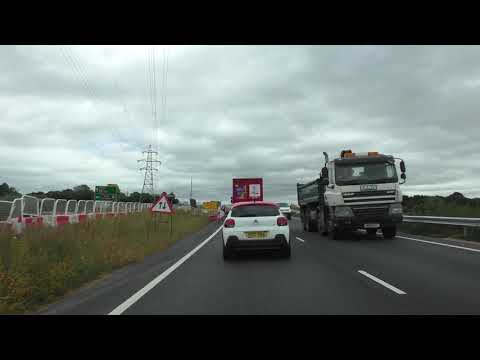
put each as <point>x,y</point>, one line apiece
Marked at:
<point>343,211</point>
<point>396,208</point>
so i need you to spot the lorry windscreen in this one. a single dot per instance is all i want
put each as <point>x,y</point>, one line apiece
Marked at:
<point>365,173</point>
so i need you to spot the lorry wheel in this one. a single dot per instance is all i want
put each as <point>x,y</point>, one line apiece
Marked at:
<point>309,225</point>
<point>313,225</point>
<point>335,234</point>
<point>286,252</point>
<point>389,232</point>
<point>227,253</point>
<point>321,225</point>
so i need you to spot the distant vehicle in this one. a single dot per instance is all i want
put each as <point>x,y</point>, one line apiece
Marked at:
<point>250,189</point>
<point>354,191</point>
<point>227,208</point>
<point>255,226</point>
<point>285,210</point>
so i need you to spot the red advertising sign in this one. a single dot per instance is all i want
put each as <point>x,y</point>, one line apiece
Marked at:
<point>247,190</point>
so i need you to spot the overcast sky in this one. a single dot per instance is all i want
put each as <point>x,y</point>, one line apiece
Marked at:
<point>82,115</point>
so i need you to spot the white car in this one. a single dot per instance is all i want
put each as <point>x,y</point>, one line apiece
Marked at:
<point>285,210</point>
<point>255,226</point>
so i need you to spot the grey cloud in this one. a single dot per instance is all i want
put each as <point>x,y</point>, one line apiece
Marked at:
<point>267,111</point>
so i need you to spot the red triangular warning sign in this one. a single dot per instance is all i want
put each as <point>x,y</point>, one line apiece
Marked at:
<point>162,205</point>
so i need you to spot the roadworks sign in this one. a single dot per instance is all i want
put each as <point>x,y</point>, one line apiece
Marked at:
<point>162,205</point>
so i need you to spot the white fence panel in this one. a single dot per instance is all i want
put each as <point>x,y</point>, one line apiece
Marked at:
<point>81,206</point>
<point>16,210</point>
<point>60,207</point>
<point>99,207</point>
<point>71,207</point>
<point>5,208</point>
<point>89,206</point>
<point>46,211</point>
<point>108,207</point>
<point>46,206</point>
<point>30,206</point>
<point>121,207</point>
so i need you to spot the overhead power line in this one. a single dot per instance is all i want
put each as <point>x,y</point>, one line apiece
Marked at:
<point>80,73</point>
<point>164,89</point>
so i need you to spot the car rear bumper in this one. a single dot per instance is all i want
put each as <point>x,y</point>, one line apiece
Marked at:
<point>277,243</point>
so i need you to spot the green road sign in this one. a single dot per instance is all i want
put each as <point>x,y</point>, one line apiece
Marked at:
<point>107,193</point>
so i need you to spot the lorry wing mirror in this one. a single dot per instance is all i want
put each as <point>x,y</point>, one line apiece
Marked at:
<point>402,166</point>
<point>403,176</point>
<point>324,173</point>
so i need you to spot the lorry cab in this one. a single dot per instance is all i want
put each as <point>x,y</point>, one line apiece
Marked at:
<point>362,179</point>
<point>362,191</point>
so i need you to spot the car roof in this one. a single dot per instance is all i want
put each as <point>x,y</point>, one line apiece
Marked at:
<point>253,203</point>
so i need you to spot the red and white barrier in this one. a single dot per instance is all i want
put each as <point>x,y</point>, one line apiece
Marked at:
<point>32,221</point>
<point>62,220</point>
<point>30,212</point>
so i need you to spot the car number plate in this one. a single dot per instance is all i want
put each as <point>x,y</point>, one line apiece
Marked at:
<point>256,234</point>
<point>369,226</point>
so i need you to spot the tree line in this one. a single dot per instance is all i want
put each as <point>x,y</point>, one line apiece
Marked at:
<point>455,204</point>
<point>80,192</point>
<point>8,193</point>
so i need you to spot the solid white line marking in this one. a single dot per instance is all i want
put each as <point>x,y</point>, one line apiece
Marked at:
<point>135,297</point>
<point>300,239</point>
<point>441,244</point>
<point>387,285</point>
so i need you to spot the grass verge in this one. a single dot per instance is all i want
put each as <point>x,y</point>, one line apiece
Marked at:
<point>43,264</point>
<point>440,231</point>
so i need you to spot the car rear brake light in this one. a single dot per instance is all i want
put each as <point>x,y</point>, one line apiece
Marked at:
<point>229,223</point>
<point>282,221</point>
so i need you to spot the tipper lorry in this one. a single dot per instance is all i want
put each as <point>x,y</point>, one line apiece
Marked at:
<point>354,191</point>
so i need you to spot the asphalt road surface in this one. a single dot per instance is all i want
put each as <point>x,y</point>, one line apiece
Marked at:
<point>357,275</point>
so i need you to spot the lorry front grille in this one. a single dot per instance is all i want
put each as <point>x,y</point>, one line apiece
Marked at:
<point>363,211</point>
<point>369,196</point>
<point>369,193</point>
<point>353,201</point>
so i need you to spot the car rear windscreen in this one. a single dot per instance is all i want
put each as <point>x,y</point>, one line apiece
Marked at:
<point>255,211</point>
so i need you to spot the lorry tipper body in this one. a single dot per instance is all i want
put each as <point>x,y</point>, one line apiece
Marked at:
<point>354,191</point>
<point>247,189</point>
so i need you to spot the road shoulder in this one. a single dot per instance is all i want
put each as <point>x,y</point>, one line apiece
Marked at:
<point>102,295</point>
